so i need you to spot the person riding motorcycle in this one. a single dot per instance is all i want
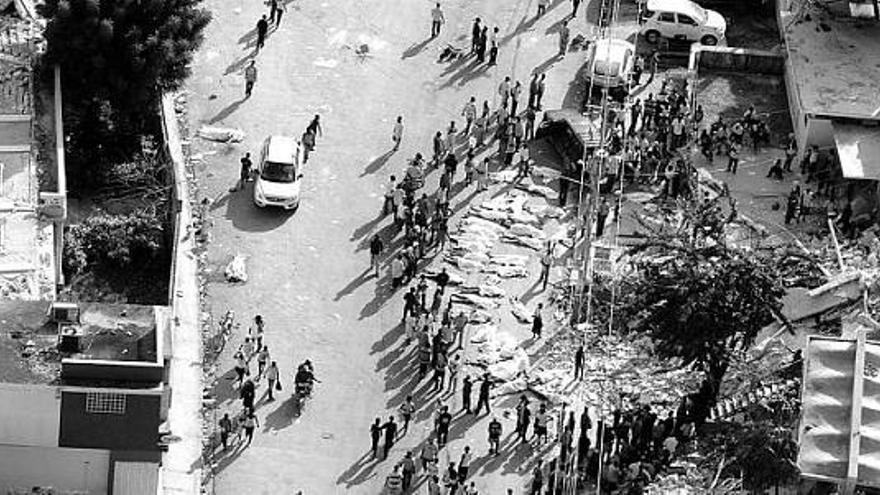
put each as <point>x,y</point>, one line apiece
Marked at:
<point>305,376</point>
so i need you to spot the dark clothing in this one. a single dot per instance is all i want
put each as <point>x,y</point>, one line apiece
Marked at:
<point>375,433</point>
<point>262,29</point>
<point>466,388</point>
<point>475,36</point>
<point>483,399</point>
<point>247,393</point>
<point>443,423</point>
<point>246,165</point>
<point>390,436</point>
<point>579,363</point>
<point>537,325</point>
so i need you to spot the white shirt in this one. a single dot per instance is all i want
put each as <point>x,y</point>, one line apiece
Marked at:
<point>397,132</point>
<point>437,14</point>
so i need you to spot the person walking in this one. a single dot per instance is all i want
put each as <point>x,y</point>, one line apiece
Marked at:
<point>437,20</point>
<point>453,367</point>
<point>469,112</point>
<point>564,35</point>
<point>408,469</point>
<point>315,127</point>
<point>653,64</point>
<point>466,390</point>
<point>493,46</point>
<point>262,29</point>
<point>390,428</point>
<point>732,158</point>
<point>483,399</point>
<point>407,409</point>
<point>444,421</point>
<point>262,360</point>
<point>247,393</point>
<point>429,454</point>
<point>494,435</point>
<point>225,430</point>
<point>537,479</point>
<point>279,12</point>
<point>375,434</point>
<point>250,423</point>
<point>272,377</point>
<point>397,133</point>
<point>250,78</point>
<point>241,367</point>
<point>482,41</point>
<point>530,116</point>
<point>579,363</point>
<point>376,249</point>
<point>515,93</point>
<point>273,8</point>
<point>601,216</point>
<point>483,175</point>
<point>537,322</point>
<point>464,464</point>
<point>476,29</point>
<point>540,94</point>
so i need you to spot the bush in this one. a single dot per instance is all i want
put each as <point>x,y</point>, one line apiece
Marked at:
<point>107,242</point>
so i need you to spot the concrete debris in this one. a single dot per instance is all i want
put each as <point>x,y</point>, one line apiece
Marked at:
<point>520,311</point>
<point>236,270</point>
<point>221,134</point>
<point>473,300</point>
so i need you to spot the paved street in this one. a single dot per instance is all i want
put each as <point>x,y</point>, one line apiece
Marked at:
<point>308,270</point>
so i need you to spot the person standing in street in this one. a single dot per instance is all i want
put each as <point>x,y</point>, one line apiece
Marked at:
<point>247,393</point>
<point>466,390</point>
<point>537,322</point>
<point>376,248</point>
<point>732,158</point>
<point>262,29</point>
<point>390,428</point>
<point>437,20</point>
<point>245,173</point>
<point>408,469</point>
<point>515,94</point>
<point>397,133</point>
<point>579,363</point>
<point>279,13</point>
<point>225,430</point>
<point>601,216</point>
<point>483,399</point>
<point>454,365</point>
<point>273,8</point>
<point>444,421</point>
<point>542,7</point>
<point>493,46</point>
<point>482,40</point>
<point>314,127</point>
<point>537,479</point>
<point>546,264</point>
<point>476,29</point>
<point>262,360</point>
<point>504,91</point>
<point>533,89</point>
<point>564,35</point>
<point>494,436</point>
<point>272,379</point>
<point>250,78</point>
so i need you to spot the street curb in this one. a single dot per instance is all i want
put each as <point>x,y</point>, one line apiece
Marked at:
<point>181,469</point>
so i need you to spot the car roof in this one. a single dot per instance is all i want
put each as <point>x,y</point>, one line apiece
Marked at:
<point>617,48</point>
<point>281,149</point>
<point>683,6</point>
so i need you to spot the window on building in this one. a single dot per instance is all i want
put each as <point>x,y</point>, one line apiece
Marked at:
<point>102,403</point>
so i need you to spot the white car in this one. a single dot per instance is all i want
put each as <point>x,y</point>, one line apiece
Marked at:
<point>278,177</point>
<point>610,62</point>
<point>682,19</point>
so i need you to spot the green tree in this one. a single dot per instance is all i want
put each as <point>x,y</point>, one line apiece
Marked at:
<point>125,52</point>
<point>700,299</point>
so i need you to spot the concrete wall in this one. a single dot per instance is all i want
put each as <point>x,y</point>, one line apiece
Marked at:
<point>137,429</point>
<point>820,133</point>
<point>66,470</point>
<point>80,369</point>
<point>30,415</point>
<point>720,58</point>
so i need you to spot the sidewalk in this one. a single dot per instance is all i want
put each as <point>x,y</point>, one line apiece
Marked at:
<point>181,469</point>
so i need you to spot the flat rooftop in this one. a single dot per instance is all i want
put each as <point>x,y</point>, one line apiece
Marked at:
<point>113,332</point>
<point>835,60</point>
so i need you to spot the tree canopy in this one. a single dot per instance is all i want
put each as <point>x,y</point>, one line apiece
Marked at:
<point>123,51</point>
<point>700,299</point>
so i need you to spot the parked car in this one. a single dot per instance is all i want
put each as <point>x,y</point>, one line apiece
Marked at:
<point>610,62</point>
<point>278,176</point>
<point>682,19</point>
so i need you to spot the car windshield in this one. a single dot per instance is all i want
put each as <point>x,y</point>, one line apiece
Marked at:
<point>606,68</point>
<point>278,172</point>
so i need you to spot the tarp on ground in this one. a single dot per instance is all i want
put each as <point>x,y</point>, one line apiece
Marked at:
<point>858,148</point>
<point>828,402</point>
